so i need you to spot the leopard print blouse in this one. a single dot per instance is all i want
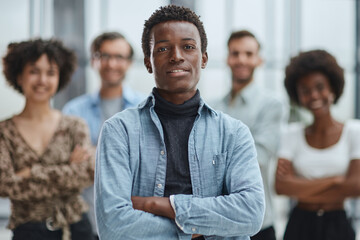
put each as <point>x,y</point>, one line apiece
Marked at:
<point>54,189</point>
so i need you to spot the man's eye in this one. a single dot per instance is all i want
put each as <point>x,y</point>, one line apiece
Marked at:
<point>162,49</point>
<point>119,57</point>
<point>105,56</point>
<point>189,47</point>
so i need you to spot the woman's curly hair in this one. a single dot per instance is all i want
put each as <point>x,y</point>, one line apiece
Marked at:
<point>314,61</point>
<point>21,53</point>
<point>172,13</point>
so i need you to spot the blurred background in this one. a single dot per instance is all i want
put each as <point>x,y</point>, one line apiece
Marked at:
<point>283,27</point>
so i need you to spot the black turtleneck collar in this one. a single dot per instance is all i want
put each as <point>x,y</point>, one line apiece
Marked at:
<point>188,108</point>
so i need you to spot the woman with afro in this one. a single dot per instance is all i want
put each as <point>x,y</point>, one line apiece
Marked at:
<point>319,164</point>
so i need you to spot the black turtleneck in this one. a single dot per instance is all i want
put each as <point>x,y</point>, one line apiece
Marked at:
<point>177,122</point>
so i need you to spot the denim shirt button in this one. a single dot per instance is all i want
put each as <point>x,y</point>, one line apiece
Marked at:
<point>159,185</point>
<point>193,229</point>
<point>162,152</point>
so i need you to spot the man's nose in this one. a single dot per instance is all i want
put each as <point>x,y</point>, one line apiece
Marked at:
<point>112,61</point>
<point>176,55</point>
<point>241,58</point>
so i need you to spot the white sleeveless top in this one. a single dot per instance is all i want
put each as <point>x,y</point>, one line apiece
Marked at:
<point>312,163</point>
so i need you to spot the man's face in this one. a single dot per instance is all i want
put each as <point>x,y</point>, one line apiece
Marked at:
<point>112,61</point>
<point>175,57</point>
<point>243,58</point>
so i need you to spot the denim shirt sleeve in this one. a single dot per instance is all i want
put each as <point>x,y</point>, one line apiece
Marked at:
<point>239,213</point>
<point>115,216</point>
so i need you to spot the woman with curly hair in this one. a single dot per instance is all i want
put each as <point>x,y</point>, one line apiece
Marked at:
<point>45,157</point>
<point>319,164</point>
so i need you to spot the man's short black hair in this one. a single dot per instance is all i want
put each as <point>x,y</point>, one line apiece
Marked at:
<point>21,53</point>
<point>106,36</point>
<point>311,62</point>
<point>172,13</point>
<point>242,34</point>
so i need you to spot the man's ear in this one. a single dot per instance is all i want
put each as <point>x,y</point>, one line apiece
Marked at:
<point>204,60</point>
<point>147,64</point>
<point>95,63</point>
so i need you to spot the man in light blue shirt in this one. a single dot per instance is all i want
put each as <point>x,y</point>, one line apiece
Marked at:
<point>259,109</point>
<point>112,56</point>
<point>173,168</point>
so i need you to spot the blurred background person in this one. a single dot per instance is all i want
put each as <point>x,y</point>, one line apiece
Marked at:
<point>258,109</point>
<point>111,56</point>
<point>319,163</point>
<point>45,160</point>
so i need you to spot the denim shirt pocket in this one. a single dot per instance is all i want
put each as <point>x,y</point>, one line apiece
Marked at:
<point>219,163</point>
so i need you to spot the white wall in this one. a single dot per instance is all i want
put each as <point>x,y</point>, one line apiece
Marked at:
<point>127,19</point>
<point>14,16</point>
<point>330,25</point>
<point>17,25</point>
<point>327,24</point>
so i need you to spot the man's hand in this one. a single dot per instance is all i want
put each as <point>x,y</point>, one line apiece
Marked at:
<point>196,235</point>
<point>156,205</point>
<point>160,206</point>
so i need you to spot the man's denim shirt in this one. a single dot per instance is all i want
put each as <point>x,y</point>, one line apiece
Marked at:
<point>228,197</point>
